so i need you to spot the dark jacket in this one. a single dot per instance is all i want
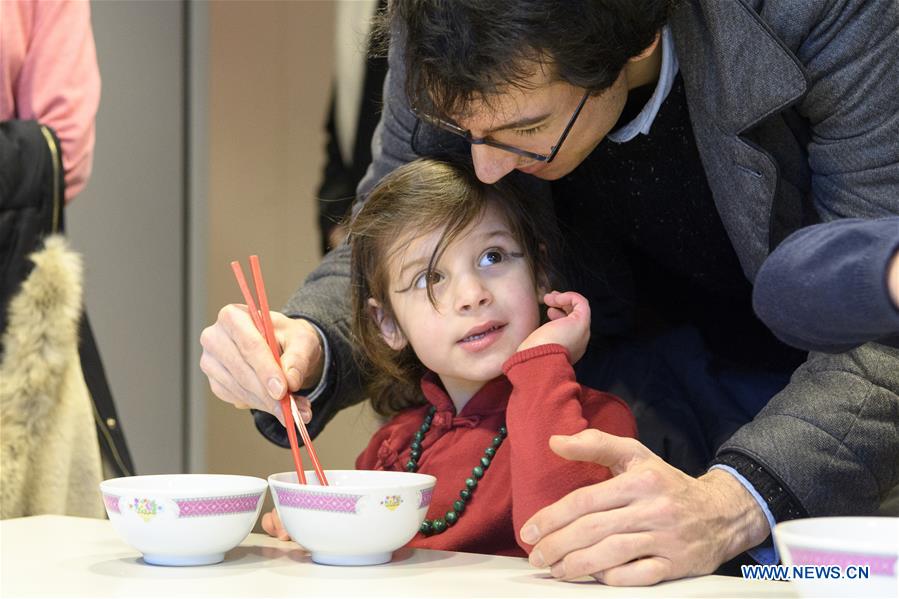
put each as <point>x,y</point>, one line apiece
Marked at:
<point>31,200</point>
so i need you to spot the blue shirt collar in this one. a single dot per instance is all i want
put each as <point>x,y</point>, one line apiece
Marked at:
<point>668,71</point>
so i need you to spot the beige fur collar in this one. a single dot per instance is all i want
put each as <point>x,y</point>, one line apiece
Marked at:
<point>50,456</point>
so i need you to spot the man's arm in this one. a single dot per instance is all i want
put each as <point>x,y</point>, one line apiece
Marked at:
<point>849,58</point>
<point>828,287</point>
<point>839,419</point>
<point>820,445</point>
<point>851,62</point>
<point>824,287</point>
<point>825,445</point>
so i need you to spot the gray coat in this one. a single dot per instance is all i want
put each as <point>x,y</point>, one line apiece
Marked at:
<point>793,106</point>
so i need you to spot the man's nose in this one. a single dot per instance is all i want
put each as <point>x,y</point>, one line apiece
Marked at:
<point>471,293</point>
<point>492,164</point>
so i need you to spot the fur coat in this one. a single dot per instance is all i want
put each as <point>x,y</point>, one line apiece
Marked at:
<point>50,461</point>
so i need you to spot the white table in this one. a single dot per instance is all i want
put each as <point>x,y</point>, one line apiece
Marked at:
<point>62,556</point>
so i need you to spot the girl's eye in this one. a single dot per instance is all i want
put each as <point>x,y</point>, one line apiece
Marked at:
<point>491,257</point>
<point>421,281</point>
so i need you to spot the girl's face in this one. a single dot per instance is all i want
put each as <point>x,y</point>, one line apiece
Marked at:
<point>487,303</point>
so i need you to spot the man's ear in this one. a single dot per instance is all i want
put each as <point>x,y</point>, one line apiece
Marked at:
<point>390,332</point>
<point>648,50</point>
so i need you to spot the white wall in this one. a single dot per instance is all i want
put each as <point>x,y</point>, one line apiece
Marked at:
<point>129,224</point>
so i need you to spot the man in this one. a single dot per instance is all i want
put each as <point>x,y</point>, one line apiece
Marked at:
<point>679,144</point>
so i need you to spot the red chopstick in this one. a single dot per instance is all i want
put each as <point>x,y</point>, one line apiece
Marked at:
<point>270,330</point>
<point>248,297</point>
<point>285,405</point>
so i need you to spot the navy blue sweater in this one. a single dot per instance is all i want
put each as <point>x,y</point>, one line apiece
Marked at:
<point>825,287</point>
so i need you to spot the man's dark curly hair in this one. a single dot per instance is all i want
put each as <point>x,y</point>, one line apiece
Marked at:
<point>459,51</point>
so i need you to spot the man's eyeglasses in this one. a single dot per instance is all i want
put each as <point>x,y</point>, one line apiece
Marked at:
<point>467,136</point>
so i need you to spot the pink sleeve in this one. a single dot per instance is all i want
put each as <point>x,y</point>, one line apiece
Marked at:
<point>59,84</point>
<point>547,400</point>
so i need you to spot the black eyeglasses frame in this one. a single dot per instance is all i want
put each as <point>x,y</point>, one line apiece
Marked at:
<point>467,136</point>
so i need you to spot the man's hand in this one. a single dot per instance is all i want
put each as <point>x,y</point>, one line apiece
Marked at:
<point>650,522</point>
<point>569,326</point>
<point>240,366</point>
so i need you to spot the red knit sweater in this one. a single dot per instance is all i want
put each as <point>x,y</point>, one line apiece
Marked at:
<point>537,397</point>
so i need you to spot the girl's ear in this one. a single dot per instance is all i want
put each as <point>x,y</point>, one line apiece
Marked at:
<point>390,332</point>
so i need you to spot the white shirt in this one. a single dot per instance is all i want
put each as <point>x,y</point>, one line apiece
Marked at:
<point>668,71</point>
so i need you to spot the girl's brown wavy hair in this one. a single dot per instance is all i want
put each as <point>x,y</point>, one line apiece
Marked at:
<point>416,199</point>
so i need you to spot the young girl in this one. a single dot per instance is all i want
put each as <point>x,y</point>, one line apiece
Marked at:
<point>448,274</point>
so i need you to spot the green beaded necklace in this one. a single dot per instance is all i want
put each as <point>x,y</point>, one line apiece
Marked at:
<point>438,525</point>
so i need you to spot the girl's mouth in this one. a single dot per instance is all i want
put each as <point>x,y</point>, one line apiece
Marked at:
<point>482,339</point>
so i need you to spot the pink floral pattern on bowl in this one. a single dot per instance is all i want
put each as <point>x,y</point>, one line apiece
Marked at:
<point>425,497</point>
<point>881,565</point>
<point>112,503</point>
<point>215,506</point>
<point>310,500</point>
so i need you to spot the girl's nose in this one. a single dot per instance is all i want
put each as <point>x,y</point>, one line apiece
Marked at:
<point>492,164</point>
<point>471,294</point>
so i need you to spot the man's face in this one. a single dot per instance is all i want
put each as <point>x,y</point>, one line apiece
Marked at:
<point>533,117</point>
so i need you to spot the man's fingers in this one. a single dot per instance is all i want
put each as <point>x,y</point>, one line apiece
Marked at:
<point>223,385</point>
<point>591,445</point>
<point>641,572</point>
<point>253,354</point>
<point>583,532</point>
<point>302,355</point>
<point>611,552</point>
<point>607,495</point>
<point>304,407</point>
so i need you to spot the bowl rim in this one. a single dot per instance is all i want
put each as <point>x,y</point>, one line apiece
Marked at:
<point>250,484</point>
<point>426,480</point>
<point>786,533</point>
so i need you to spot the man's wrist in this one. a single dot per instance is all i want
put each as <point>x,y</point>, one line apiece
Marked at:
<point>312,378</point>
<point>743,524</point>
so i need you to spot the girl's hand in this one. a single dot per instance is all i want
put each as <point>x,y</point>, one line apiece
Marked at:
<point>271,524</point>
<point>569,325</point>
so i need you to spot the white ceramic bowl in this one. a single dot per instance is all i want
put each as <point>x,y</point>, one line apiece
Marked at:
<point>359,519</point>
<point>183,519</point>
<point>845,542</point>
